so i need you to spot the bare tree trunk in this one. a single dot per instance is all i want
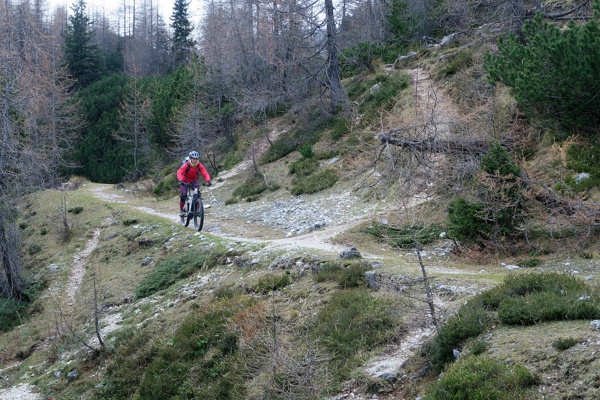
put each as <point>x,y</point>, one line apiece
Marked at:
<point>429,296</point>
<point>96,315</point>
<point>11,278</point>
<point>333,68</point>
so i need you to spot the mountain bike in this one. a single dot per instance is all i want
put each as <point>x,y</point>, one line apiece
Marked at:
<point>193,208</point>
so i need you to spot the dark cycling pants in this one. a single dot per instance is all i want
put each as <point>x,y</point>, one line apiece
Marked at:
<point>184,191</point>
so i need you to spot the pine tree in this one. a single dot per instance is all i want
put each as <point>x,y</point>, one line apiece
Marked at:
<point>82,56</point>
<point>183,44</point>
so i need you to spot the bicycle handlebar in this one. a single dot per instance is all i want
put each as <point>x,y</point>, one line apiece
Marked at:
<point>191,184</point>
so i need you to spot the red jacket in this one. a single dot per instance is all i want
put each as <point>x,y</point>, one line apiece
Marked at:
<point>188,174</point>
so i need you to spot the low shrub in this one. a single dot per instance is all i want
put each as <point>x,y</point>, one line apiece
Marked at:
<point>168,271</point>
<point>291,141</point>
<point>315,183</point>
<point>339,128</point>
<point>470,320</point>
<point>306,151</point>
<point>352,276</point>
<point>465,219</point>
<point>562,344</point>
<point>75,210</point>
<point>11,313</point>
<point>200,360</point>
<point>125,370</point>
<point>538,307</point>
<point>530,263</point>
<point>328,272</point>
<point>167,184</point>
<point>481,378</point>
<point>354,321</point>
<point>380,94</point>
<point>253,186</point>
<point>461,60</point>
<point>529,283</point>
<point>583,159</point>
<point>271,283</point>
<point>33,249</point>
<point>304,166</point>
<point>406,236</point>
<point>479,347</point>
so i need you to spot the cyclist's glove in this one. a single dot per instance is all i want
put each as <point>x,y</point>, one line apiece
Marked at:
<point>208,183</point>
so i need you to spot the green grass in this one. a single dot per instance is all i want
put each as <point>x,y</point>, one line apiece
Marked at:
<point>271,283</point>
<point>354,321</point>
<point>314,183</point>
<point>563,344</point>
<point>304,167</point>
<point>254,185</point>
<point>168,271</point>
<point>523,299</point>
<point>482,378</point>
<point>199,360</point>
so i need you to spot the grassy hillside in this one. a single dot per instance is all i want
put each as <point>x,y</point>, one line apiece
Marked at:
<point>262,306</point>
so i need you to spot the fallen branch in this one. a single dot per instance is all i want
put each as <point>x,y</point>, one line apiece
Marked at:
<point>431,145</point>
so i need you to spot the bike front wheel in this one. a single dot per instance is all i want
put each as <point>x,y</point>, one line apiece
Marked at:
<point>188,214</point>
<point>198,215</point>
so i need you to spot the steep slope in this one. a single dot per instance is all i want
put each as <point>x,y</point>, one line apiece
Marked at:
<point>123,232</point>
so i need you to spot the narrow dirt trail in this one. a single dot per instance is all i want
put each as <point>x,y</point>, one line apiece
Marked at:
<point>77,272</point>
<point>432,107</point>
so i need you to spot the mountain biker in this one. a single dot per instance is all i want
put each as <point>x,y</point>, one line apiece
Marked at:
<point>188,173</point>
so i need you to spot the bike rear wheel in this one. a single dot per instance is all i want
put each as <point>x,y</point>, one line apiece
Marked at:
<point>198,215</point>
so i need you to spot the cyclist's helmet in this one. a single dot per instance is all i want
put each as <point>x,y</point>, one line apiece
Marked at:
<point>194,154</point>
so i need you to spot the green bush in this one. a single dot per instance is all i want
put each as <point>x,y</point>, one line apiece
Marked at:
<point>304,167</point>
<point>539,307</point>
<point>253,186</point>
<point>470,320</point>
<point>406,236</point>
<point>380,94</point>
<point>531,65</point>
<point>479,347</point>
<point>271,283</point>
<point>200,361</point>
<point>482,378</point>
<point>125,370</point>
<point>354,321</point>
<point>529,283</point>
<point>168,271</point>
<point>33,249</point>
<point>76,210</point>
<point>11,313</point>
<point>352,276</point>
<point>306,151</point>
<point>459,61</point>
<point>532,298</point>
<point>498,160</point>
<point>166,185</point>
<point>328,272</point>
<point>339,127</point>
<point>291,141</point>
<point>315,183</point>
<point>465,219</point>
<point>530,263</point>
<point>562,344</point>
<point>584,158</point>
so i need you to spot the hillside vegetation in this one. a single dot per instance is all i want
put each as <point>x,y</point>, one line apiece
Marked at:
<point>471,198</point>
